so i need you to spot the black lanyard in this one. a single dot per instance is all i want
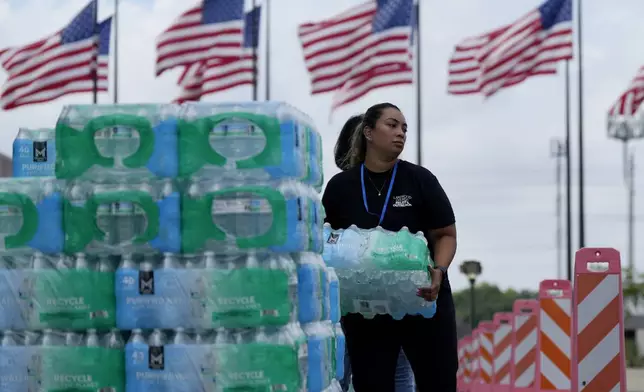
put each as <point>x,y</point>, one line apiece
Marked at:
<point>364,193</point>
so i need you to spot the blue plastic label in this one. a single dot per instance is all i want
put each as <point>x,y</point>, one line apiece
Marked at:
<point>173,367</point>
<point>34,158</point>
<point>163,298</point>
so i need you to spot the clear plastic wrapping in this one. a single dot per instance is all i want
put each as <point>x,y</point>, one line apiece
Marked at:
<point>245,290</point>
<point>60,292</point>
<point>379,270</point>
<point>193,232</point>
<point>62,361</point>
<point>175,360</point>
<point>31,211</point>
<point>230,217</point>
<point>122,217</point>
<point>322,348</point>
<point>249,142</point>
<point>273,359</point>
<point>312,288</point>
<point>102,143</point>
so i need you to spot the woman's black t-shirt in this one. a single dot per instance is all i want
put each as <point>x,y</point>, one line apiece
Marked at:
<point>417,200</point>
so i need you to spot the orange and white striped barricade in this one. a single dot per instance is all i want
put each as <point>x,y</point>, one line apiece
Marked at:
<point>486,357</point>
<point>467,363</point>
<point>524,347</point>
<point>503,369</point>
<point>555,335</point>
<point>475,368</point>
<point>599,360</point>
<point>460,374</point>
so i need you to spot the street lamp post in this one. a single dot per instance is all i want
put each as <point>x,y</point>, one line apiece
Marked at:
<point>558,152</point>
<point>627,129</point>
<point>471,269</point>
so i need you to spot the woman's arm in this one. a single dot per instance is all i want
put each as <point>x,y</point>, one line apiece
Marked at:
<point>444,240</point>
<point>441,223</point>
<point>441,231</point>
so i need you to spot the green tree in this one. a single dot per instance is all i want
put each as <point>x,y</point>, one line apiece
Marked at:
<point>489,300</point>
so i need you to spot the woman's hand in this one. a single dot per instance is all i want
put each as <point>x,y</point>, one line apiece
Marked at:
<point>430,293</point>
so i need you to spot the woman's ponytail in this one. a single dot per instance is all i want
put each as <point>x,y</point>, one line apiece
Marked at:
<point>344,146</point>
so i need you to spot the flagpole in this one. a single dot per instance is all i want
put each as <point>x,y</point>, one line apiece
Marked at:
<point>582,239</point>
<point>95,65</point>
<point>569,248</point>
<point>115,20</point>
<point>267,51</point>
<point>419,112</point>
<point>254,40</point>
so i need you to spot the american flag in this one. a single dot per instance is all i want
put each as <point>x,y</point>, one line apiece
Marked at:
<point>629,102</point>
<point>224,72</point>
<point>533,45</point>
<point>362,49</point>
<point>211,29</point>
<point>60,64</point>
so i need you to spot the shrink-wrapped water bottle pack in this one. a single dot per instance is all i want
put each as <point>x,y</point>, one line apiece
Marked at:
<point>172,248</point>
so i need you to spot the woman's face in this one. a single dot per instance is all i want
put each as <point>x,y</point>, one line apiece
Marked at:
<point>390,132</point>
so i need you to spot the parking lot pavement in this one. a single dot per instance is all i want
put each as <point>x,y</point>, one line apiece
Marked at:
<point>635,380</point>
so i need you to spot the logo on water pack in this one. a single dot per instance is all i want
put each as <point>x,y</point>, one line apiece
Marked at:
<point>146,282</point>
<point>156,361</point>
<point>333,238</point>
<point>40,151</point>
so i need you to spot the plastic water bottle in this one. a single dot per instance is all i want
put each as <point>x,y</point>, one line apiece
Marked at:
<point>204,342</point>
<point>138,376</point>
<point>340,350</point>
<point>334,295</point>
<point>178,363</point>
<point>126,287</point>
<point>311,277</point>
<point>195,279</point>
<point>176,310</point>
<point>135,141</point>
<point>125,223</point>
<point>316,217</point>
<point>73,339</point>
<point>13,363</point>
<point>325,287</point>
<point>11,275</point>
<point>314,151</point>
<point>34,153</point>
<point>36,298</point>
<point>320,355</point>
<point>114,340</point>
<point>137,301</point>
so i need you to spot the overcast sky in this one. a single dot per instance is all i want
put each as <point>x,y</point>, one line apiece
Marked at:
<point>492,157</point>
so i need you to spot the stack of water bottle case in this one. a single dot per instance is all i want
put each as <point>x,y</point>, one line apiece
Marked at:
<point>178,248</point>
